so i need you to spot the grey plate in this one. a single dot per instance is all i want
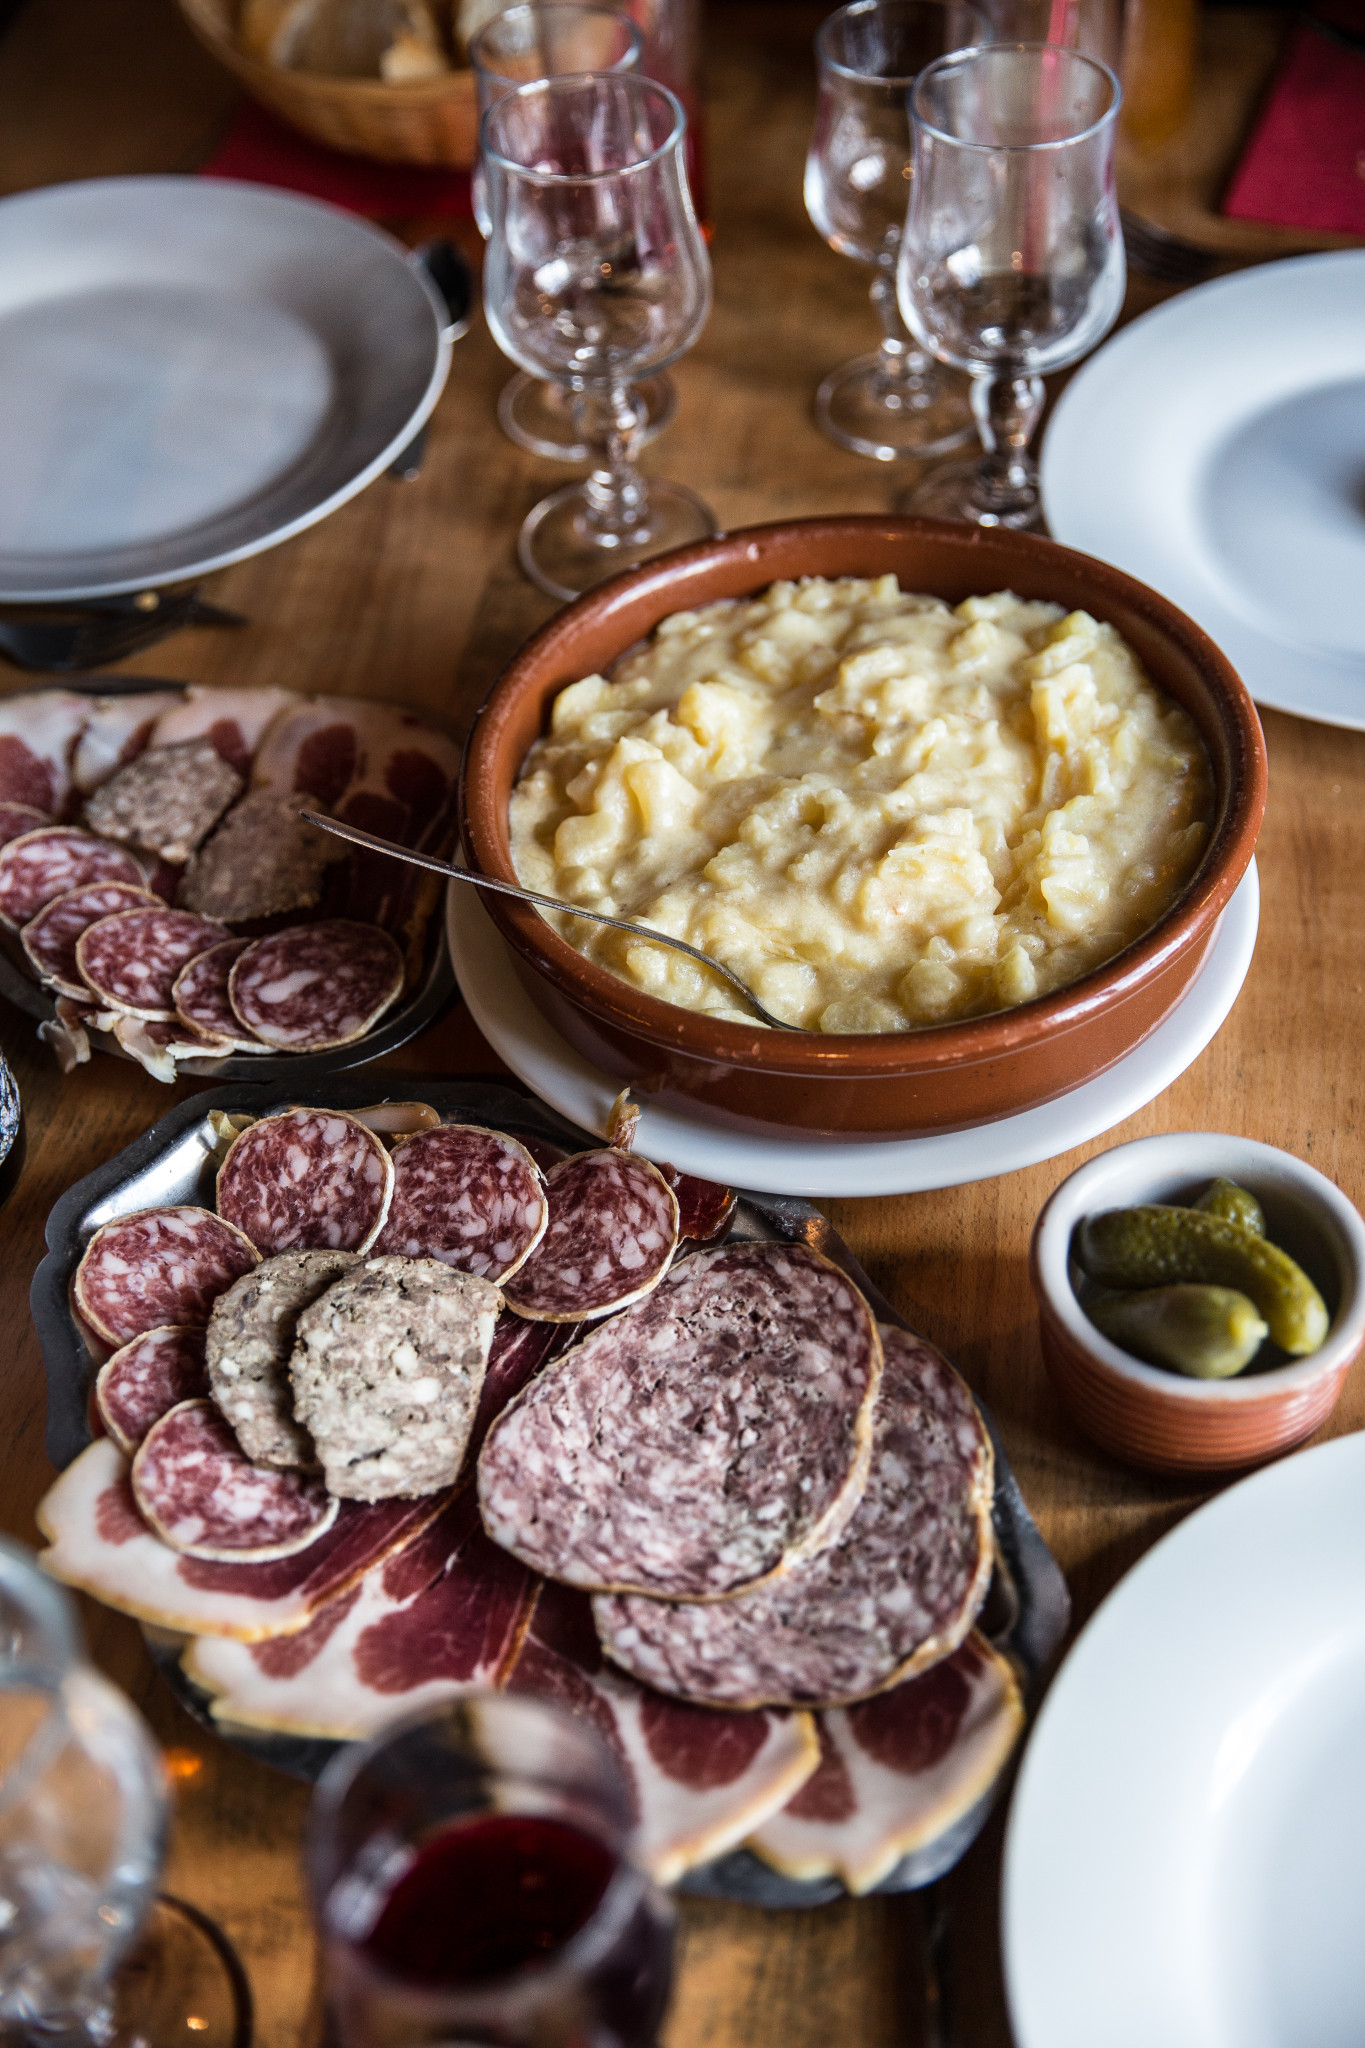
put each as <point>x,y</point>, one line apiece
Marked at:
<point>192,370</point>
<point>1026,1613</point>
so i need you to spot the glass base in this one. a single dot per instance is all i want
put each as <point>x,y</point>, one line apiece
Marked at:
<point>538,415</point>
<point>867,412</point>
<point>182,1982</point>
<point>558,550</point>
<point>958,491</point>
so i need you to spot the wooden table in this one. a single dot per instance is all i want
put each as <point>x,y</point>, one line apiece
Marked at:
<point>411,592</point>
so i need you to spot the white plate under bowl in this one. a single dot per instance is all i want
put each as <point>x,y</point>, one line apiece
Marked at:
<point>191,370</point>
<point>816,1167</point>
<point>1216,449</point>
<point>1185,1860</point>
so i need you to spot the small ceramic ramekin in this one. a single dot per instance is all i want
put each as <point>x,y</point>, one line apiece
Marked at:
<point>1145,1415</point>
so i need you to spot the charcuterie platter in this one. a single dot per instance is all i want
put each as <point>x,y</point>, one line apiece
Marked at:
<point>162,899</point>
<point>409,1580</point>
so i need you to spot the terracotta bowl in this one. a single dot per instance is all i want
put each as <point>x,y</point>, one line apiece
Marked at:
<point>1157,1419</point>
<point>944,1077</point>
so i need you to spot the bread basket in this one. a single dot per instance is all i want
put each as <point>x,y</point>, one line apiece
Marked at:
<point>422,121</point>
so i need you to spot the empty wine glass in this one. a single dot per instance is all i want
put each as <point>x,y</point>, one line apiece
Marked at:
<point>896,402</point>
<point>89,1956</point>
<point>549,41</point>
<point>596,275</point>
<point>1011,264</point>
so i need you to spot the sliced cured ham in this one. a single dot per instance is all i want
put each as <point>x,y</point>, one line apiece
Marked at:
<point>144,1380</point>
<point>159,1047</point>
<point>45,863</point>
<point>470,1197</point>
<point>376,765</point>
<point>517,1353</point>
<point>38,732</point>
<point>234,720</point>
<point>307,1180</point>
<point>157,1266</point>
<point>50,938</point>
<point>130,961</point>
<point>115,732</point>
<point>200,995</point>
<point>388,1369</point>
<point>897,1592</point>
<point>447,1613</point>
<point>249,1343</point>
<point>610,1238</point>
<point>316,986</point>
<point>702,1780</point>
<point>704,1207</point>
<point>706,1439</point>
<point>99,1542</point>
<point>16,819</point>
<point>198,1491</point>
<point>898,1771</point>
<point>264,859</point>
<point>166,800</point>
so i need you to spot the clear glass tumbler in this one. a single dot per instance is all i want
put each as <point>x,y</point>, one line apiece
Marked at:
<point>1011,263</point>
<point>597,276</point>
<point>896,402</point>
<point>532,41</point>
<point>472,1883</point>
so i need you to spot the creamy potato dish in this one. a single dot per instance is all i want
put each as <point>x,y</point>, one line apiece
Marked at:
<point>882,811</point>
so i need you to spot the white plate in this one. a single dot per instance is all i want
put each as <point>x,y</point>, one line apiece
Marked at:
<point>190,371</point>
<point>1216,449</point>
<point>818,1167</point>
<point>1185,1860</point>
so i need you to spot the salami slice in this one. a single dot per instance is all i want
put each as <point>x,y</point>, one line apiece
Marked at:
<point>130,961</point>
<point>157,1266</point>
<point>197,1489</point>
<point>700,1443</point>
<point>250,1339</point>
<point>167,800</point>
<point>50,938</point>
<point>388,1370</point>
<point>99,1542</point>
<point>39,865</point>
<point>316,986</point>
<point>896,1593</point>
<point>307,1180</point>
<point>200,995</point>
<point>611,1236</point>
<point>899,1771</point>
<point>144,1380</point>
<point>16,819</point>
<point>470,1197</point>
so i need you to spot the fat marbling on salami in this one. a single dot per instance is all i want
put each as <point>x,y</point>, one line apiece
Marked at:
<point>145,1379</point>
<point>307,1180</point>
<point>250,1338</point>
<point>198,1490</point>
<point>157,1266</point>
<point>611,1236</point>
<point>50,938</point>
<point>47,862</point>
<point>473,1198</point>
<point>200,995</point>
<point>130,960</point>
<point>699,1443</point>
<point>896,1593</point>
<point>316,986</point>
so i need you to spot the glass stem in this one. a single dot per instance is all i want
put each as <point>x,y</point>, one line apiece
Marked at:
<point>1007,409</point>
<point>616,495</point>
<point>903,363</point>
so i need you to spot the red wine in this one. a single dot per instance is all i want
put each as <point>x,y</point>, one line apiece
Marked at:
<point>486,1897</point>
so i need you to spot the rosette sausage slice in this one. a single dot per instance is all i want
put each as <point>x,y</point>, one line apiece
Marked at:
<point>47,862</point>
<point>316,986</point>
<point>199,1492</point>
<point>610,1238</point>
<point>131,960</point>
<point>144,1380</point>
<point>470,1197</point>
<point>307,1180</point>
<point>158,1266</point>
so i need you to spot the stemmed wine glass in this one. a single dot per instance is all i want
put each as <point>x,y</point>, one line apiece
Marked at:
<point>1011,264</point>
<point>596,275</point>
<point>90,1957</point>
<point>896,402</point>
<point>549,41</point>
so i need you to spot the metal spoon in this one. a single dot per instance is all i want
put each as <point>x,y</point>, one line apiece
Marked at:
<point>619,924</point>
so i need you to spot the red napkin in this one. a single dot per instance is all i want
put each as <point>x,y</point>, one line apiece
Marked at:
<point>1304,166</point>
<point>262,151</point>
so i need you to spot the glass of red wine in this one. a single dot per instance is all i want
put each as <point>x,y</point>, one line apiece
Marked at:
<point>471,1879</point>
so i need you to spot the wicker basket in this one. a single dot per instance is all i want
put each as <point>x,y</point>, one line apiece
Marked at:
<point>424,121</point>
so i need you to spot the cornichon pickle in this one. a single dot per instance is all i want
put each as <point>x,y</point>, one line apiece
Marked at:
<point>1209,1333</point>
<point>1156,1247</point>
<point>1235,1205</point>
